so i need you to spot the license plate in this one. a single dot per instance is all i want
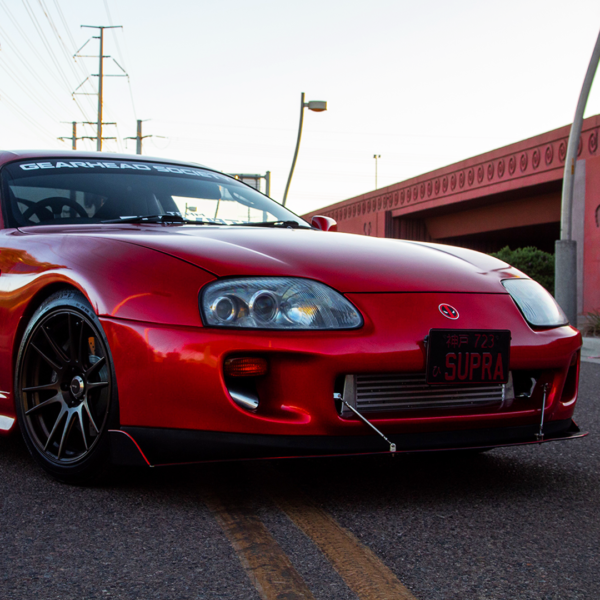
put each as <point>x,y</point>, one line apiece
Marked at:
<point>467,356</point>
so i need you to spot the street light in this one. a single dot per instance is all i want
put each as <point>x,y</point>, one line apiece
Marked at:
<point>565,270</point>
<point>315,106</point>
<point>376,156</point>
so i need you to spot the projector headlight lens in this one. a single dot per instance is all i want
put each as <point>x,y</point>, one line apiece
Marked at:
<point>276,303</point>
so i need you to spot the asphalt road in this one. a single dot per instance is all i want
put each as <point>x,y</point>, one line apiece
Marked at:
<point>518,523</point>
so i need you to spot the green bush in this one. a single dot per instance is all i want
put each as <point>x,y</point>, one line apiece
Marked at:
<point>592,325</point>
<point>537,264</point>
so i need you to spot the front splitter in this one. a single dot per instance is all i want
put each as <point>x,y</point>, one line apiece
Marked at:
<point>144,446</point>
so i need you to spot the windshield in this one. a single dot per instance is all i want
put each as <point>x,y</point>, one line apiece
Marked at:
<point>63,191</point>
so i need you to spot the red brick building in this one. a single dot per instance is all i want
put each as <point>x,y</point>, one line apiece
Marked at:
<point>510,196</point>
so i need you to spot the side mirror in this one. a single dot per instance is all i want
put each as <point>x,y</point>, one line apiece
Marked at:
<point>323,223</point>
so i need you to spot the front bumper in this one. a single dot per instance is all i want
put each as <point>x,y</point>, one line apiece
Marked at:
<point>175,404</point>
<point>172,377</point>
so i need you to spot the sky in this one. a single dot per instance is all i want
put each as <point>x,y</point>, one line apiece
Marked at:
<point>422,84</point>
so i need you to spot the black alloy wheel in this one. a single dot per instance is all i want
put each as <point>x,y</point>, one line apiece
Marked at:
<point>65,388</point>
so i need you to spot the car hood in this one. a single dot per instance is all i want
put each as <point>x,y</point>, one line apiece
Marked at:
<point>346,262</point>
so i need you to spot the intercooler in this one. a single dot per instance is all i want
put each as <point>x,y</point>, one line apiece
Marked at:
<point>387,392</point>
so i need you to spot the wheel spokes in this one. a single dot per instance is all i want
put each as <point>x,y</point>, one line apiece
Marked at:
<point>53,385</point>
<point>89,414</point>
<point>95,367</point>
<point>80,416</point>
<point>80,343</point>
<point>57,349</point>
<point>75,338</point>
<point>63,410</point>
<point>65,433</point>
<point>50,362</point>
<point>54,400</point>
<point>96,385</point>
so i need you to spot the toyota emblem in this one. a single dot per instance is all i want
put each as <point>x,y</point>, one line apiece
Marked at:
<point>448,311</point>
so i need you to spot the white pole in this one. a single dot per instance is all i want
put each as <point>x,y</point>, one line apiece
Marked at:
<point>289,181</point>
<point>565,286</point>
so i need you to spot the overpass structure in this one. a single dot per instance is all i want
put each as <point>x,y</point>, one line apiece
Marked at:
<point>509,196</point>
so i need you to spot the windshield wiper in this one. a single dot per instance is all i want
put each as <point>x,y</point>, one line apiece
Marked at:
<point>176,219</point>
<point>290,224</point>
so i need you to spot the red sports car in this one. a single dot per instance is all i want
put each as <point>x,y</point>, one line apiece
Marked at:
<point>156,312</point>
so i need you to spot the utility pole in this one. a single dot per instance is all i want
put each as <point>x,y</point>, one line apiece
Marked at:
<point>100,81</point>
<point>73,138</point>
<point>101,56</point>
<point>376,157</point>
<point>139,137</point>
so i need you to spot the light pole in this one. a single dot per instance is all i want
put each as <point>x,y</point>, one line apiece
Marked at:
<point>565,283</point>
<point>376,157</point>
<point>316,106</point>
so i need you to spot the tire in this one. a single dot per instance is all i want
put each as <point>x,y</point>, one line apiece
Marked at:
<point>65,390</point>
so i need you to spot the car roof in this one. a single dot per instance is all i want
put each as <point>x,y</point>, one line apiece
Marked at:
<point>7,156</point>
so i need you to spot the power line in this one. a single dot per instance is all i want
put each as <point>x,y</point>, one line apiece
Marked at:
<point>121,55</point>
<point>39,83</point>
<point>23,34</point>
<point>110,22</point>
<point>64,22</point>
<point>41,60</point>
<point>131,96</point>
<point>28,93</point>
<point>83,72</point>
<point>53,27</point>
<point>45,42</point>
<point>27,40</point>
<point>34,124</point>
<point>27,66</point>
<point>66,51</point>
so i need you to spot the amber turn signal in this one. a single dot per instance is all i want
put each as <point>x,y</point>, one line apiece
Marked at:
<point>249,366</point>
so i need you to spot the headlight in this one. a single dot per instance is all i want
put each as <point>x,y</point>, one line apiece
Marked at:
<point>276,303</point>
<point>539,308</point>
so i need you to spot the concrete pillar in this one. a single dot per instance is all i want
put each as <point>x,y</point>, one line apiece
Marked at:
<point>565,285</point>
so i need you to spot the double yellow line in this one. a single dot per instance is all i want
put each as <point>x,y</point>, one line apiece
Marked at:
<point>270,569</point>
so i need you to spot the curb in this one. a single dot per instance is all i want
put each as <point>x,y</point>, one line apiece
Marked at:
<point>590,351</point>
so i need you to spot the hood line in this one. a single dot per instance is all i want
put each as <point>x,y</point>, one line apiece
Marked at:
<point>159,251</point>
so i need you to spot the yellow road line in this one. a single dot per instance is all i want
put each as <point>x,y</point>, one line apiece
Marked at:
<point>265,563</point>
<point>362,571</point>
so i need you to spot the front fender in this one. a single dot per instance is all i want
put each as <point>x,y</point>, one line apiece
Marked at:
<point>120,280</point>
